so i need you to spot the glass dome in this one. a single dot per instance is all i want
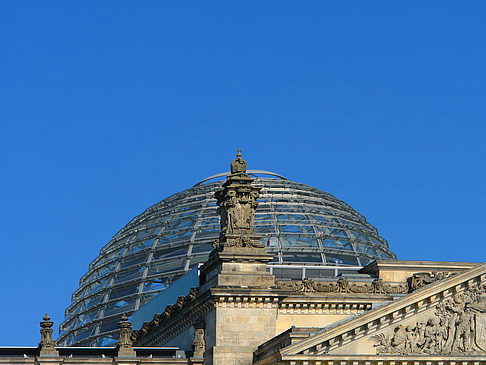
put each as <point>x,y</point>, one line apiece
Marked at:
<point>299,224</point>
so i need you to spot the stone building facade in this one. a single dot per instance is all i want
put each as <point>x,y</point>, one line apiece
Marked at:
<point>389,312</point>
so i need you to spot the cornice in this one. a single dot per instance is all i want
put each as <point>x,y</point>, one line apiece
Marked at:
<point>375,360</point>
<point>411,265</point>
<point>174,320</point>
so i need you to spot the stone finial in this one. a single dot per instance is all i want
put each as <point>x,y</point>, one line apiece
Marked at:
<point>47,345</point>
<point>125,343</point>
<point>237,203</point>
<point>238,165</point>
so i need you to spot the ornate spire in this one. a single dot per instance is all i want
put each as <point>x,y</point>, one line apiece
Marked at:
<point>237,203</point>
<point>125,348</point>
<point>47,345</point>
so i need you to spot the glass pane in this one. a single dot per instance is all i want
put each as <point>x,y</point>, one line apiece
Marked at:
<point>301,257</point>
<point>123,291</point>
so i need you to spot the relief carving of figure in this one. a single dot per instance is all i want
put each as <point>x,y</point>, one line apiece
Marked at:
<point>231,220</point>
<point>238,213</point>
<point>399,338</point>
<point>309,285</point>
<point>429,346</point>
<point>464,327</point>
<point>419,280</point>
<point>378,286</point>
<point>458,328</point>
<point>343,285</point>
<point>411,341</point>
<point>441,335</point>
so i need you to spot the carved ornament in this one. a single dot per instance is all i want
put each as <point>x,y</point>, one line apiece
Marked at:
<point>47,345</point>
<point>457,327</point>
<point>237,203</point>
<point>419,280</point>
<point>343,285</point>
<point>125,343</point>
<point>199,344</point>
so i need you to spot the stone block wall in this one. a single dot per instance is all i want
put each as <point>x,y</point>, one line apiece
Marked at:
<point>234,332</point>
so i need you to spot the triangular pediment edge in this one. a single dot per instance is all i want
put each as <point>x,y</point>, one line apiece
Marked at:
<point>390,315</point>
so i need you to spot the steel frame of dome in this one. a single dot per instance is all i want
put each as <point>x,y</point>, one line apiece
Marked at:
<point>300,224</point>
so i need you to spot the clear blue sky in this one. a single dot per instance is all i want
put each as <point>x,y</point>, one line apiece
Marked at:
<point>108,107</point>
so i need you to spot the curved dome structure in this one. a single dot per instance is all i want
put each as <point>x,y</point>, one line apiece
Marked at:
<point>299,224</point>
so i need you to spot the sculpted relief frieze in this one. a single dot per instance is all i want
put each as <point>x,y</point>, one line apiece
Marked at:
<point>458,326</point>
<point>343,285</point>
<point>377,286</point>
<point>419,280</point>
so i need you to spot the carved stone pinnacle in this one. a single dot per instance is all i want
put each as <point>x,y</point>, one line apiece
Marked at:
<point>47,345</point>
<point>237,203</point>
<point>125,343</point>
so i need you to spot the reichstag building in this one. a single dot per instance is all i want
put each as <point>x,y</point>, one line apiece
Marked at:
<point>303,227</point>
<point>247,267</point>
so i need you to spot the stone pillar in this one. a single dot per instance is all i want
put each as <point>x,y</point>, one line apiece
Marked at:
<point>124,346</point>
<point>238,325</point>
<point>47,345</point>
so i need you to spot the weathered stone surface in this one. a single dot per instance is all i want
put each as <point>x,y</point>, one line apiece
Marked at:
<point>443,319</point>
<point>237,203</point>
<point>125,343</point>
<point>47,345</point>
